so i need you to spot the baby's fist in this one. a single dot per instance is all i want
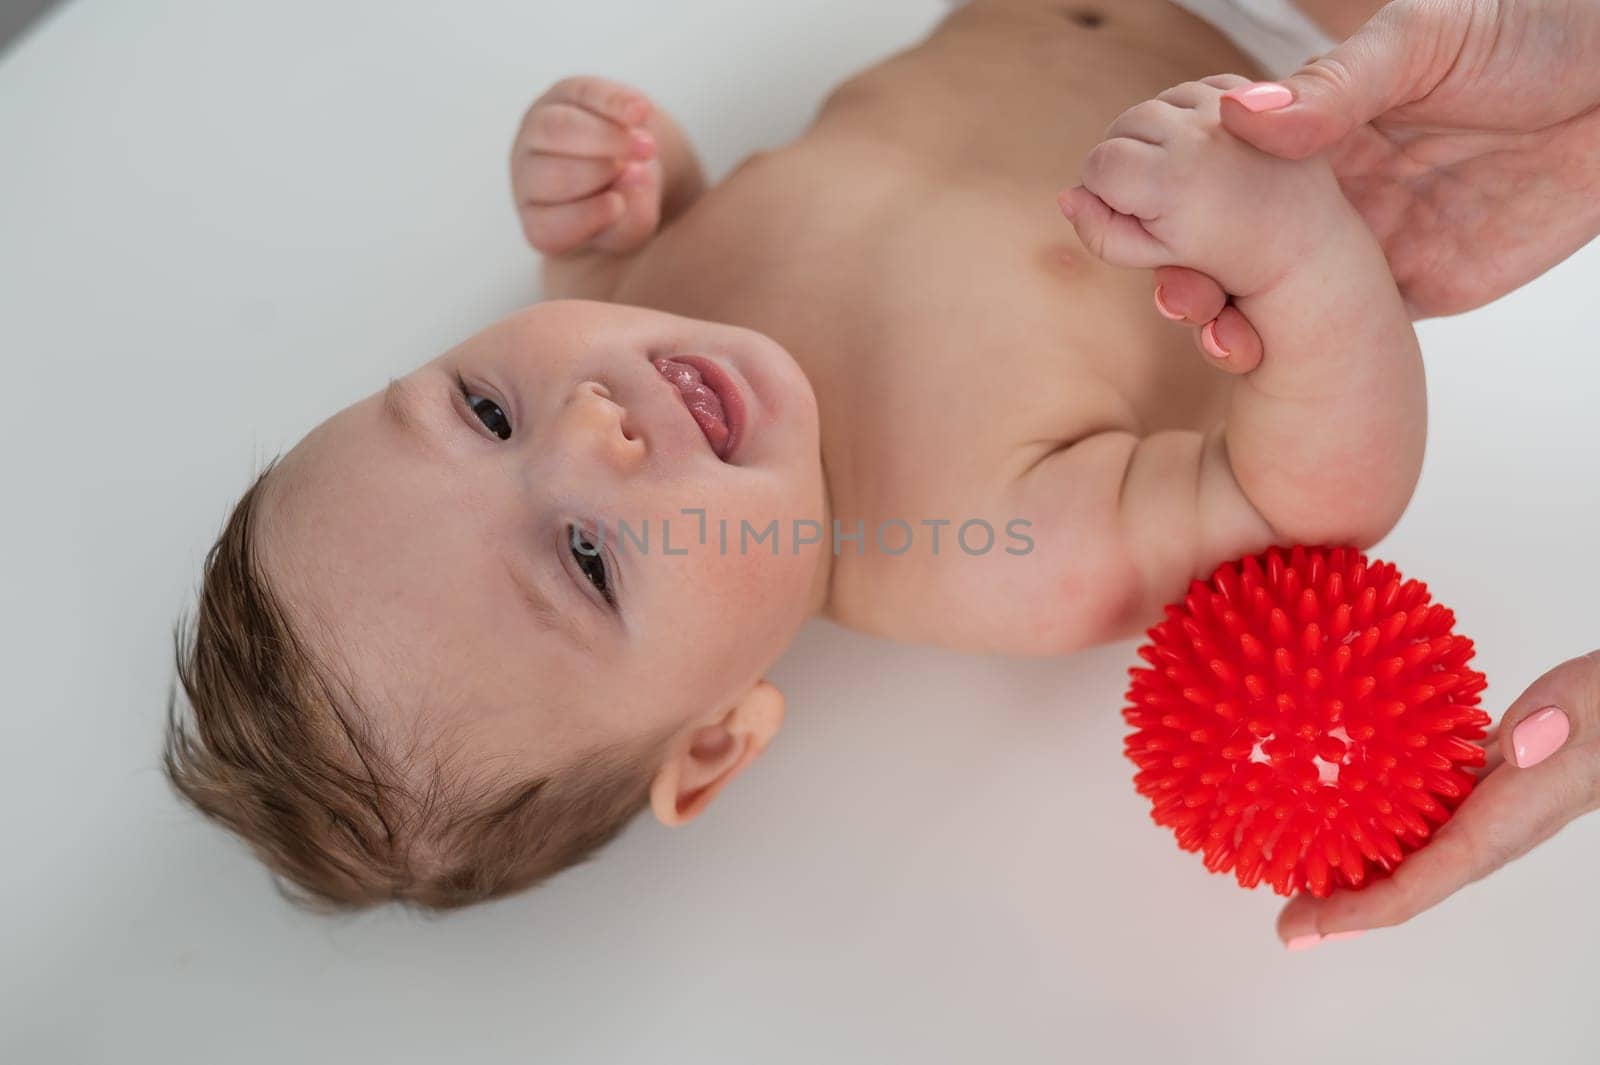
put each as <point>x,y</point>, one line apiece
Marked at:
<point>585,169</point>
<point>1168,186</point>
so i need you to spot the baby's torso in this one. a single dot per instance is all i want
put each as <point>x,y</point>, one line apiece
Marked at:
<point>908,251</point>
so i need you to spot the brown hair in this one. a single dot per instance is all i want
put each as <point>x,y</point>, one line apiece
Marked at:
<point>275,749</point>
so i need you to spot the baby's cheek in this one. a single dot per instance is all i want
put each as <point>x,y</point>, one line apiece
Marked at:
<point>767,590</point>
<point>729,625</point>
<point>750,554</point>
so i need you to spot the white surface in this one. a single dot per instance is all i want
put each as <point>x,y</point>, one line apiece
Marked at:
<point>220,221</point>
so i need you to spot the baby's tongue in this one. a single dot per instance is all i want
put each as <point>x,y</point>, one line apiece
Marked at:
<point>702,402</point>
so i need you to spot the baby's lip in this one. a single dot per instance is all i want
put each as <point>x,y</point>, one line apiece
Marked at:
<point>712,398</point>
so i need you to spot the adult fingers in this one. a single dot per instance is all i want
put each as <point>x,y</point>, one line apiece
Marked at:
<point>1398,57</point>
<point>1185,295</point>
<point>1560,709</point>
<point>1223,334</point>
<point>1230,342</point>
<point>1509,813</point>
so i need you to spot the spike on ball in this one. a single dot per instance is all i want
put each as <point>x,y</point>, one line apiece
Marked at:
<point>1306,719</point>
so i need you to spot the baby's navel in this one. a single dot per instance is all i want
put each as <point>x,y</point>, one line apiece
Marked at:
<point>1087,17</point>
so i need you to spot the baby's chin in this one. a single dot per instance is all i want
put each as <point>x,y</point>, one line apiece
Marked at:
<point>773,398</point>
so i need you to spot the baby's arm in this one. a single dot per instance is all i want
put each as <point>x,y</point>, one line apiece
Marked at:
<point>596,170</point>
<point>1323,442</point>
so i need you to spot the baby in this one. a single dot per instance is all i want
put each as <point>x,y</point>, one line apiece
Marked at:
<point>469,626</point>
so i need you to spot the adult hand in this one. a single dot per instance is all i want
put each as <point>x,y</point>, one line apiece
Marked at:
<point>1543,770</point>
<point>1467,134</point>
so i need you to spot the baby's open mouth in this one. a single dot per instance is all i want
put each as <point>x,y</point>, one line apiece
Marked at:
<point>713,399</point>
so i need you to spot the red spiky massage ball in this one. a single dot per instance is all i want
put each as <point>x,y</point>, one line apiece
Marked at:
<point>1305,718</point>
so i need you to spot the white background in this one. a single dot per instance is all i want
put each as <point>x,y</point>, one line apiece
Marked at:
<point>219,222</point>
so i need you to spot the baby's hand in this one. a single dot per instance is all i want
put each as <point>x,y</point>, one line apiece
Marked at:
<point>585,169</point>
<point>1169,186</point>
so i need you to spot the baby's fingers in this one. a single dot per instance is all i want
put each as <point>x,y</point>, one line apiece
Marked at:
<point>1119,239</point>
<point>589,116</point>
<point>618,219</point>
<point>558,229</point>
<point>621,103</point>
<point>566,129</point>
<point>543,179</point>
<point>640,189</point>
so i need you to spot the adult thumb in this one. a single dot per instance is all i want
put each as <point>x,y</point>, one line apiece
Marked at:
<point>1395,59</point>
<point>1560,709</point>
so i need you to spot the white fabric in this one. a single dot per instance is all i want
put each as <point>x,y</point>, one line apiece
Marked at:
<point>1275,33</point>
<point>1272,32</point>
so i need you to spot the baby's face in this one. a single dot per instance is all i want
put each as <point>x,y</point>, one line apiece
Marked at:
<point>425,535</point>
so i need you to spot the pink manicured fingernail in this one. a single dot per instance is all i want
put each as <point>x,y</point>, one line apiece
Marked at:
<point>1166,312</point>
<point>1065,204</point>
<point>1334,937</point>
<point>1305,942</point>
<point>644,145</point>
<point>1260,96</point>
<point>1540,736</point>
<point>1208,340</point>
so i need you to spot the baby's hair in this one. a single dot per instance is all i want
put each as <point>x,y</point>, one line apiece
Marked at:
<point>277,751</point>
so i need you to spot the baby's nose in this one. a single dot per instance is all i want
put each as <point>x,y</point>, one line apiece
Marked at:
<point>603,425</point>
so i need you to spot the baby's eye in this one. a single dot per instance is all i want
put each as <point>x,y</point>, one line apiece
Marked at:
<point>487,410</point>
<point>590,562</point>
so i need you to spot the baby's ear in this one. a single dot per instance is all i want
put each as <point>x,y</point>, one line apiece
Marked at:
<point>701,762</point>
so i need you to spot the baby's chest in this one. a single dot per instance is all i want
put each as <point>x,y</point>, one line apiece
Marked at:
<point>925,311</point>
<point>1022,89</point>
